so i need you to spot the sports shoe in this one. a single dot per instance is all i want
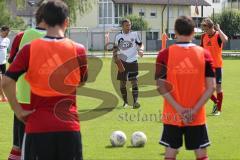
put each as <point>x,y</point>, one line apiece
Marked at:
<point>217,113</point>
<point>125,105</point>
<point>214,110</point>
<point>136,105</point>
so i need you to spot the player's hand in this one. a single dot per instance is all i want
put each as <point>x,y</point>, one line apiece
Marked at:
<point>217,27</point>
<point>181,111</point>
<point>140,53</point>
<point>187,116</point>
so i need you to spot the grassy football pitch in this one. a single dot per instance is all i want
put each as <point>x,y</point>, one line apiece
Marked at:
<point>97,125</point>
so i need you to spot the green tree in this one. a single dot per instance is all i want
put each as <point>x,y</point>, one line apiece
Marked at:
<point>229,22</point>
<point>7,19</point>
<point>76,7</point>
<point>138,23</point>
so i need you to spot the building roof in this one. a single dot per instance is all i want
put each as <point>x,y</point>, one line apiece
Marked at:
<point>162,2</point>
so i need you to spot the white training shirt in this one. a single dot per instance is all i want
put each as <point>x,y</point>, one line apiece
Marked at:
<point>4,44</point>
<point>128,46</point>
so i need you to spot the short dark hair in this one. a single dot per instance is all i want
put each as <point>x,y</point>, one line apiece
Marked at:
<point>39,12</point>
<point>125,21</point>
<point>5,28</point>
<point>55,13</point>
<point>184,25</point>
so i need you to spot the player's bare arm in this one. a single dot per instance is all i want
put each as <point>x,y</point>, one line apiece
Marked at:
<point>222,35</point>
<point>210,88</point>
<point>9,87</point>
<point>163,90</point>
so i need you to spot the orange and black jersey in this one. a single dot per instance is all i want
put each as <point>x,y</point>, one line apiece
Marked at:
<point>218,39</point>
<point>162,61</point>
<point>21,66</point>
<point>214,45</point>
<point>47,107</point>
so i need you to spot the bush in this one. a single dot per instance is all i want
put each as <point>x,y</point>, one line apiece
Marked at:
<point>138,23</point>
<point>229,22</point>
<point>7,19</point>
<point>198,36</point>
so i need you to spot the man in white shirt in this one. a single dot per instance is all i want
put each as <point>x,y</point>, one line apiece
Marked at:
<point>126,50</point>
<point>4,45</point>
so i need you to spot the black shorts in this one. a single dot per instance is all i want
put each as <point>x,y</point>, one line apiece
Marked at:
<point>195,137</point>
<point>2,68</point>
<point>18,132</point>
<point>130,73</point>
<point>218,72</point>
<point>53,146</point>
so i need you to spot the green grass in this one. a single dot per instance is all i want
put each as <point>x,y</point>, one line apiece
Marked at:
<point>224,131</point>
<point>231,50</point>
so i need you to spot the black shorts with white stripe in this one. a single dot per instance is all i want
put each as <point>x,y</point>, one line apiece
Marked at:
<point>196,137</point>
<point>18,132</point>
<point>52,146</point>
<point>130,73</point>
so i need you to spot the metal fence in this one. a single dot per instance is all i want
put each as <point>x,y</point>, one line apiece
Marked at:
<point>97,41</point>
<point>93,41</point>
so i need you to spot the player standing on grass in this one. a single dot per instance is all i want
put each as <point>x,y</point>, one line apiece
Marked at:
<point>4,45</point>
<point>127,47</point>
<point>23,89</point>
<point>213,40</point>
<point>188,68</point>
<point>52,126</point>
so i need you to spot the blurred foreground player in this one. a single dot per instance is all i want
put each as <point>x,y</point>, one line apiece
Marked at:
<point>54,67</point>
<point>23,88</point>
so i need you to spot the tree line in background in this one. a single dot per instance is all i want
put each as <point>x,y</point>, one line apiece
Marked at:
<point>230,22</point>
<point>7,19</point>
<point>76,7</point>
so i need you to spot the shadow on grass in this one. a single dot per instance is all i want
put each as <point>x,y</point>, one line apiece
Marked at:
<point>120,107</point>
<point>162,154</point>
<point>211,115</point>
<point>112,147</point>
<point>97,109</point>
<point>132,147</point>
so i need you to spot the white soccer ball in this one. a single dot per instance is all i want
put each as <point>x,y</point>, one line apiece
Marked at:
<point>139,139</point>
<point>118,139</point>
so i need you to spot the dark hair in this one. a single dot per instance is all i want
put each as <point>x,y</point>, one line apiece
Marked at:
<point>184,25</point>
<point>55,13</point>
<point>125,21</point>
<point>39,13</point>
<point>5,28</point>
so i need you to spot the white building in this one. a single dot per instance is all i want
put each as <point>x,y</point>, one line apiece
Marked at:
<point>216,7</point>
<point>231,4</point>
